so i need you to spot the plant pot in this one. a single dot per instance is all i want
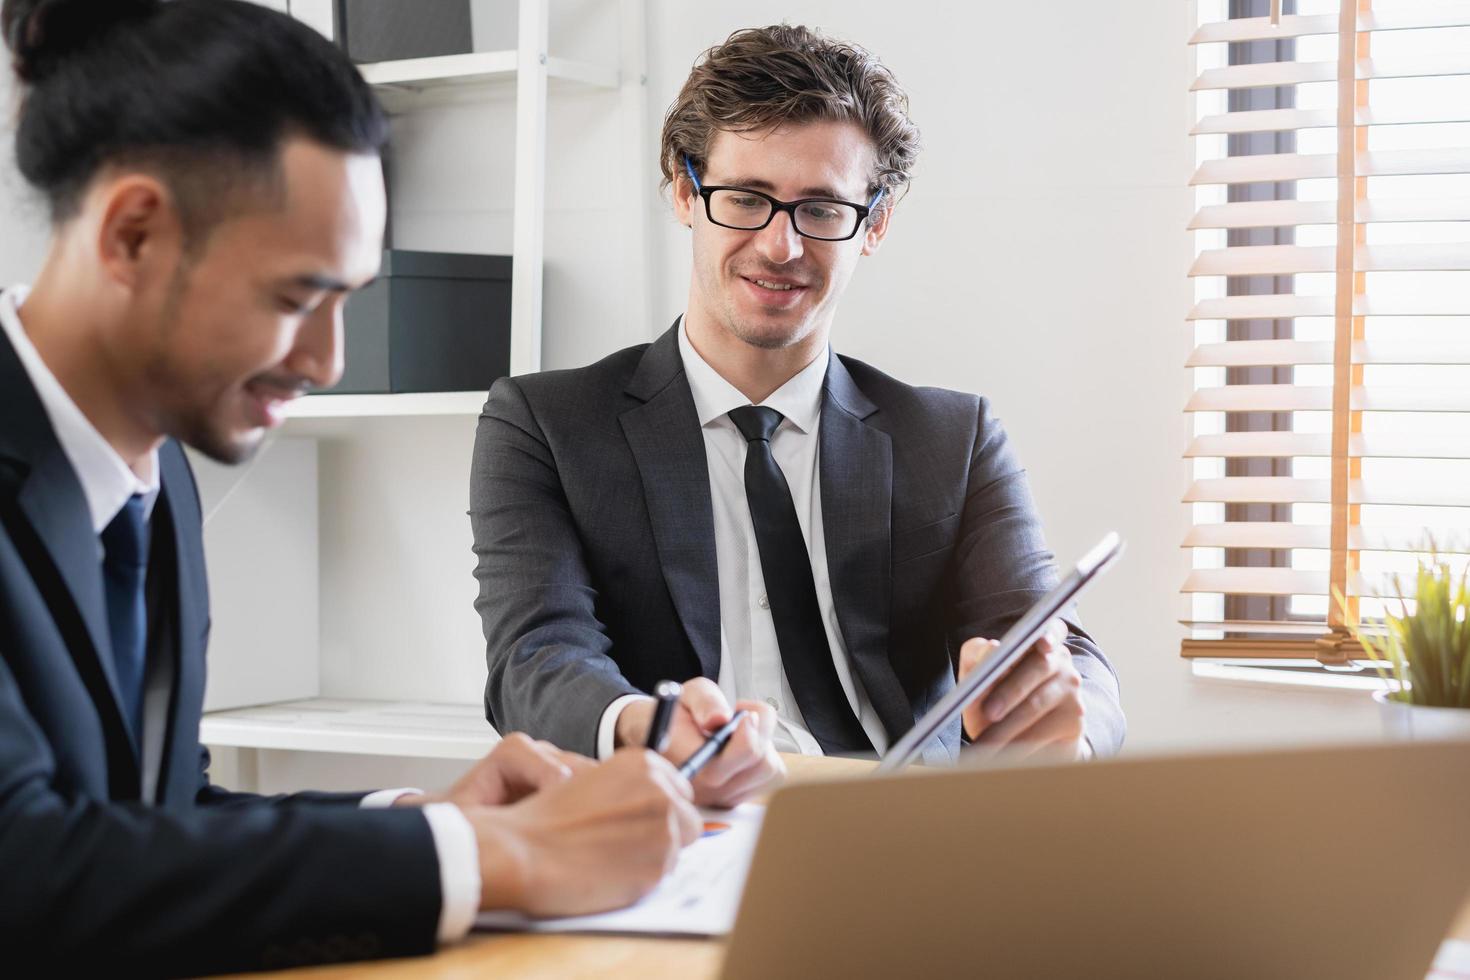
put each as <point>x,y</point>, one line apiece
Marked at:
<point>1417,721</point>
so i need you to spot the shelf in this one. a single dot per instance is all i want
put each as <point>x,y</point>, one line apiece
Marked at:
<point>390,728</point>
<point>403,83</point>
<point>371,406</point>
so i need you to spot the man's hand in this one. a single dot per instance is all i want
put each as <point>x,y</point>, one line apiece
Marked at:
<point>1037,706</point>
<point>749,762</point>
<point>597,841</point>
<point>514,769</point>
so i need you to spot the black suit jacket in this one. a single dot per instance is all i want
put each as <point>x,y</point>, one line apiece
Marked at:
<point>594,530</point>
<point>198,879</point>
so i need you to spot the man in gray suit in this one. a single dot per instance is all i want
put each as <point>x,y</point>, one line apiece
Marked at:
<point>738,508</point>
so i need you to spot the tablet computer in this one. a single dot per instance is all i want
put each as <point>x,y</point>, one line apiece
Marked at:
<point>1013,646</point>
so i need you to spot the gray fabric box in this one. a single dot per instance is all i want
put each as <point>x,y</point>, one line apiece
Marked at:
<point>432,321</point>
<point>387,30</point>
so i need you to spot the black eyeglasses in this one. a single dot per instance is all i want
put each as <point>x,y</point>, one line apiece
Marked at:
<point>825,219</point>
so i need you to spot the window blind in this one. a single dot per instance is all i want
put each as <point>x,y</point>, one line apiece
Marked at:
<point>1331,364</point>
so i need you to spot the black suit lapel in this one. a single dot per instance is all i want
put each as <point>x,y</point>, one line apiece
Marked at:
<point>63,553</point>
<point>664,435</point>
<point>177,525</point>
<point>856,468</point>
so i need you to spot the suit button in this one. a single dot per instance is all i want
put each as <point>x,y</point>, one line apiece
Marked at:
<point>764,601</point>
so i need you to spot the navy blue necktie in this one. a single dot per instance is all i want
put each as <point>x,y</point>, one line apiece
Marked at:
<point>792,592</point>
<point>124,574</point>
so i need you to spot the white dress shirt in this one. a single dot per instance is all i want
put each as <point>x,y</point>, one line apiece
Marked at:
<point>107,483</point>
<point>750,659</point>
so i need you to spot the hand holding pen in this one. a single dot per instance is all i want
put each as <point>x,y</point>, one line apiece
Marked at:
<point>748,762</point>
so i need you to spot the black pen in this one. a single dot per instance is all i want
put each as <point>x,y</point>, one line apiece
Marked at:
<point>667,693</point>
<point>712,747</point>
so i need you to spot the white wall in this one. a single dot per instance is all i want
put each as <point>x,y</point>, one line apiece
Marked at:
<point>1040,259</point>
<point>22,216</point>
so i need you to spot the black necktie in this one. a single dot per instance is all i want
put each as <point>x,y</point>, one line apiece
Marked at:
<point>792,593</point>
<point>124,573</point>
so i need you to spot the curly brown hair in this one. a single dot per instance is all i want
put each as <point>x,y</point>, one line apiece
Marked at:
<point>765,76</point>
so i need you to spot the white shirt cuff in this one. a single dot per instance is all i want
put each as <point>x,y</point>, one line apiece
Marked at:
<point>384,798</point>
<point>459,869</point>
<point>459,860</point>
<point>607,728</point>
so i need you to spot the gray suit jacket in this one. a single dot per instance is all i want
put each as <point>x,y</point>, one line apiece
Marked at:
<point>594,532</point>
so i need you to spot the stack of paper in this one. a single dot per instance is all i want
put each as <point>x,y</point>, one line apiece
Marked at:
<point>700,898</point>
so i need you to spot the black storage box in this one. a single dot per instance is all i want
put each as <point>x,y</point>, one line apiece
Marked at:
<point>387,30</point>
<point>432,321</point>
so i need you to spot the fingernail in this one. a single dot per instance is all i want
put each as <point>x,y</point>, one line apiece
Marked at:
<point>995,710</point>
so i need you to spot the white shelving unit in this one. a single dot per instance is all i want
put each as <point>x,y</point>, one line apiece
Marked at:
<point>370,406</point>
<point>459,731</point>
<point>402,85</point>
<point>385,728</point>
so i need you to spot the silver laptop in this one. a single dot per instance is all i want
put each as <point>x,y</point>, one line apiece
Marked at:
<point>1345,863</point>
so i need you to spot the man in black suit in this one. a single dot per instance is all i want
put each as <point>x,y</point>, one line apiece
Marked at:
<point>736,507</point>
<point>213,176</point>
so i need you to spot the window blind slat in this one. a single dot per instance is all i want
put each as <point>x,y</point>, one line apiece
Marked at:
<point>1263,121</point>
<point>1455,351</point>
<point>1361,445</point>
<point>1398,17</point>
<point>1418,66</point>
<point>1264,214</point>
<point>1280,120</point>
<point>1279,306</point>
<point>1261,398</point>
<point>1282,260</point>
<point>1265,353</point>
<point>1314,398</point>
<point>1262,580</point>
<point>1285,535</point>
<point>1268,74</point>
<point>1257,534</point>
<point>1256,581</point>
<point>1407,16</point>
<point>1273,74</point>
<point>1293,490</point>
<point>1304,627</point>
<point>1276,167</point>
<point>1282,214</point>
<point>1283,306</point>
<point>1260,353</point>
<point>1265,167</point>
<point>1251,445</point>
<point>1258,490</point>
<point>1261,28</point>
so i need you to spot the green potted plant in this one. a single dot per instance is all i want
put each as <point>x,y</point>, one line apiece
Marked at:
<point>1424,655</point>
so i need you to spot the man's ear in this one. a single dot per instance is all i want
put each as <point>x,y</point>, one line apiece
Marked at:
<point>684,198</point>
<point>139,234</point>
<point>875,232</point>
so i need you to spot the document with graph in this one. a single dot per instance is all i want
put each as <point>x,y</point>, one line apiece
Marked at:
<point>699,898</point>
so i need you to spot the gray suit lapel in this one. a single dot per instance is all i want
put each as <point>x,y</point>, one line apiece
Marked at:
<point>857,503</point>
<point>664,435</point>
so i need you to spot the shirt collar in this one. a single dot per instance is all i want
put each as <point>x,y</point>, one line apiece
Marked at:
<point>799,399</point>
<point>107,481</point>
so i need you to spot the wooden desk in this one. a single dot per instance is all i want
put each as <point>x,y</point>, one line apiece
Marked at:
<point>563,957</point>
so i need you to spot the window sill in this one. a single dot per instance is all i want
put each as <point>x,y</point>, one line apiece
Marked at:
<point>1270,673</point>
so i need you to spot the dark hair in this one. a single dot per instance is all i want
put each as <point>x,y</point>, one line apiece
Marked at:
<point>765,76</point>
<point>199,92</point>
